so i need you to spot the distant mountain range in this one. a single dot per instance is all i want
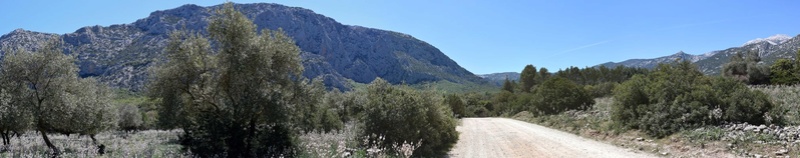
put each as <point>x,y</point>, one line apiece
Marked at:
<point>770,49</point>
<point>341,54</point>
<point>497,79</point>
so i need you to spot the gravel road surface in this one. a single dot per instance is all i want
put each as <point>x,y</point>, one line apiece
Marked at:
<point>502,137</point>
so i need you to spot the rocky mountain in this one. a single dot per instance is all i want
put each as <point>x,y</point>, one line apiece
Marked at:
<point>497,79</point>
<point>770,49</point>
<point>121,54</point>
<point>652,63</point>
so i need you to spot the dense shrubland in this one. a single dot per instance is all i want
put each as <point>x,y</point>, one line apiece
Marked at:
<point>543,93</point>
<point>677,97</point>
<point>670,98</point>
<point>677,102</point>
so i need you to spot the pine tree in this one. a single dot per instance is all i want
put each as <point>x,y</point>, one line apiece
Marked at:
<point>508,85</point>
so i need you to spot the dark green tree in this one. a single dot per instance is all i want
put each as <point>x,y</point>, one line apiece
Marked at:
<point>509,85</point>
<point>543,75</point>
<point>785,71</point>
<point>527,78</point>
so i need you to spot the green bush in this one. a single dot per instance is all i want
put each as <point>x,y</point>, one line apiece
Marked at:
<point>456,104</point>
<point>318,110</point>
<point>502,102</point>
<point>678,97</point>
<point>130,119</point>
<point>559,94</point>
<point>601,90</point>
<point>740,103</point>
<point>402,114</point>
<point>630,99</point>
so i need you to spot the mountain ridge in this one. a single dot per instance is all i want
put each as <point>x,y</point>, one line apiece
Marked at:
<point>120,54</point>
<point>770,49</point>
<point>499,78</point>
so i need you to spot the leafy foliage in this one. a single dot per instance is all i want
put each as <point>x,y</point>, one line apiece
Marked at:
<point>130,118</point>
<point>509,85</point>
<point>456,105</point>
<point>591,82</point>
<point>403,115</point>
<point>316,111</point>
<point>785,71</point>
<point>747,70</point>
<point>45,86</point>
<point>557,95</point>
<point>527,78</point>
<point>677,97</point>
<point>233,100</point>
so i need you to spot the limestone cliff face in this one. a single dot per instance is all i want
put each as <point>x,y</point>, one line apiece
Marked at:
<point>121,54</point>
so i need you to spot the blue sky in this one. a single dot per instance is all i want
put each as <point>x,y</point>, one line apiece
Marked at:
<point>490,36</point>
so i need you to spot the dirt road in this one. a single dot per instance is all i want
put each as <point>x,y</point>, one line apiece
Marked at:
<point>502,137</point>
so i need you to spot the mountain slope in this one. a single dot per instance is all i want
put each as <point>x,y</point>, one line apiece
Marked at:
<point>770,49</point>
<point>121,54</point>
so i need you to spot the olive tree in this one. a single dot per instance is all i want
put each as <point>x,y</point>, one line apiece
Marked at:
<point>232,100</point>
<point>14,118</point>
<point>46,84</point>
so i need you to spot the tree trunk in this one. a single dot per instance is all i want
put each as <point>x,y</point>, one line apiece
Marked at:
<point>6,138</point>
<point>101,149</point>
<point>56,152</point>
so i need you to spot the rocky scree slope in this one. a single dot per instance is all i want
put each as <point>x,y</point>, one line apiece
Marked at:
<point>121,54</point>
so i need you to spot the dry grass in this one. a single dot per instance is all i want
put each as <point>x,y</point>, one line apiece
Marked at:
<point>159,143</point>
<point>346,143</point>
<point>150,143</point>
<point>788,100</point>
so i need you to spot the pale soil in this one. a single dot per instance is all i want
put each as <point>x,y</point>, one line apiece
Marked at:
<point>502,137</point>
